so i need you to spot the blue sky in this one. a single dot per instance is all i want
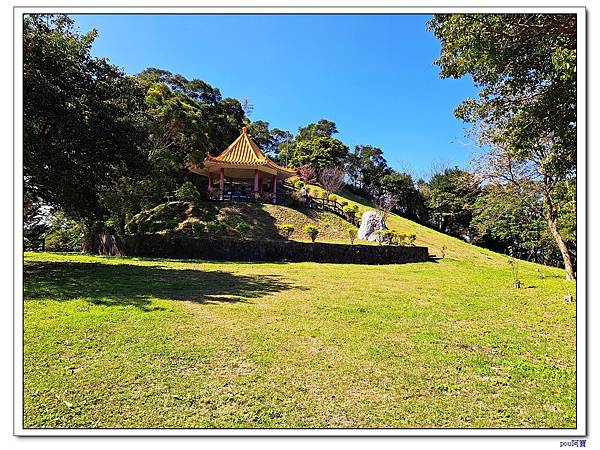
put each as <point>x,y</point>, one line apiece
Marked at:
<point>373,75</point>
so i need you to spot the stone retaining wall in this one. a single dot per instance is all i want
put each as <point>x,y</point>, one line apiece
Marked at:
<point>181,247</point>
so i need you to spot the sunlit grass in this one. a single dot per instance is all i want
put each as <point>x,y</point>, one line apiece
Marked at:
<point>126,342</point>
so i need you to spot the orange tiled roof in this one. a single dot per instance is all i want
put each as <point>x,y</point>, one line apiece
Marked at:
<point>244,152</point>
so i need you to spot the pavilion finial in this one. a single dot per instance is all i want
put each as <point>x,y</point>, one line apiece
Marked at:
<point>244,129</point>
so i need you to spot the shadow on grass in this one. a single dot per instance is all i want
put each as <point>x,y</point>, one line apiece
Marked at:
<point>128,284</point>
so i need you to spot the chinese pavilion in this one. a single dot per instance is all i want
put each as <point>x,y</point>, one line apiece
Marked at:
<point>236,167</point>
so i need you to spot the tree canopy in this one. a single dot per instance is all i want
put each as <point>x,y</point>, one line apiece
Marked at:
<point>83,119</point>
<point>526,111</point>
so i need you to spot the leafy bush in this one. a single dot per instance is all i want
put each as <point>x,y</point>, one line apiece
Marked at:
<point>171,224</point>
<point>379,235</point>
<point>187,192</point>
<point>215,228</point>
<point>352,233</point>
<point>410,239</point>
<point>161,217</point>
<point>403,238</point>
<point>242,227</point>
<point>312,231</point>
<point>132,227</point>
<point>390,236</point>
<point>350,211</point>
<point>198,227</point>
<point>64,235</point>
<point>286,230</point>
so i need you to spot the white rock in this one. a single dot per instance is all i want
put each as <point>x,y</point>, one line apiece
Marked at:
<point>371,221</point>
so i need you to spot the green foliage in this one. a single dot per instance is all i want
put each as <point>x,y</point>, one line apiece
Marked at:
<point>299,184</point>
<point>269,140</point>
<point>366,166</point>
<point>352,233</point>
<point>83,118</point>
<point>162,217</point>
<point>198,228</point>
<point>514,219</point>
<point>243,228</point>
<point>323,128</point>
<point>450,197</point>
<point>187,192</point>
<point>64,234</point>
<point>323,194</point>
<point>526,111</point>
<point>320,152</point>
<point>403,238</point>
<point>286,229</point>
<point>350,209</point>
<point>408,200</point>
<point>380,236</point>
<point>216,228</point>
<point>312,231</point>
<point>343,202</point>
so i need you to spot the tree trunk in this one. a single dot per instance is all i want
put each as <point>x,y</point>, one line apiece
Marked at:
<point>562,245</point>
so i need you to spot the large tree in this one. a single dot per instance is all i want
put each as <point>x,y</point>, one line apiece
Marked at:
<point>187,120</point>
<point>320,152</point>
<point>366,166</point>
<point>525,65</point>
<point>83,119</point>
<point>450,196</point>
<point>512,221</point>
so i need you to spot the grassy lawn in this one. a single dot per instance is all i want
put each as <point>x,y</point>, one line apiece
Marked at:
<point>125,342</point>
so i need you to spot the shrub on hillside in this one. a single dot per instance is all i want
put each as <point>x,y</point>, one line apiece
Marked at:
<point>350,211</point>
<point>243,228</point>
<point>403,238</point>
<point>379,236</point>
<point>352,233</point>
<point>216,229</point>
<point>312,231</point>
<point>390,236</point>
<point>197,227</point>
<point>187,192</point>
<point>286,230</point>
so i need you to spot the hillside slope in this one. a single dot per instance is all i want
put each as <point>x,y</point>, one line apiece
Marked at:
<point>266,218</point>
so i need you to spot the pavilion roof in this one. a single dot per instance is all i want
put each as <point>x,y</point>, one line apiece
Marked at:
<point>243,152</point>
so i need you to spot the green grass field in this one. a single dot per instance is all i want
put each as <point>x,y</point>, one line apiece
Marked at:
<point>125,342</point>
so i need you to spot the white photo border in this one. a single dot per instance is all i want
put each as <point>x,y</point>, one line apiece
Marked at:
<point>310,7</point>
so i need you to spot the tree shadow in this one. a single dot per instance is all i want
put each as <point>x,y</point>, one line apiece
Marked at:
<point>128,284</point>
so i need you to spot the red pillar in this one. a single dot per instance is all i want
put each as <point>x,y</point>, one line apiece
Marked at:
<point>260,184</point>
<point>255,180</point>
<point>274,182</point>
<point>209,183</point>
<point>222,182</point>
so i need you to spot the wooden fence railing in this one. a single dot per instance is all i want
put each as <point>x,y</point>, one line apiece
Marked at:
<point>333,206</point>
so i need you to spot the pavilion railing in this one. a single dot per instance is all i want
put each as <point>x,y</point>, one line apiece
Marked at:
<point>325,204</point>
<point>285,198</point>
